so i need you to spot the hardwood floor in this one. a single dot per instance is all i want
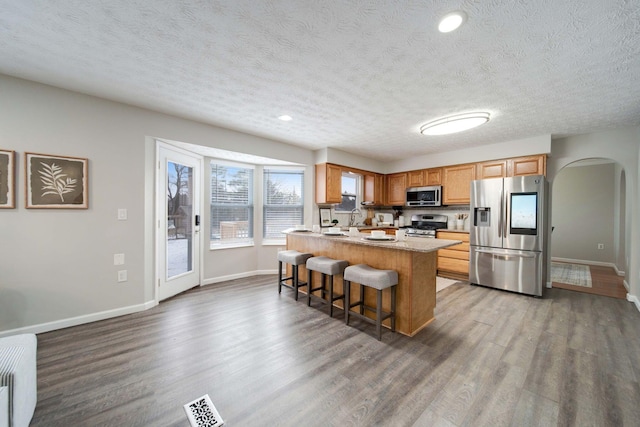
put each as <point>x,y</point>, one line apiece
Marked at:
<point>489,358</point>
<point>604,282</point>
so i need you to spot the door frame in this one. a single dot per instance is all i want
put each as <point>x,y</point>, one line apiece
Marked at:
<point>160,220</point>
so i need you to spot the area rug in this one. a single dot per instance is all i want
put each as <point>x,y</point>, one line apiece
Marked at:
<point>571,274</point>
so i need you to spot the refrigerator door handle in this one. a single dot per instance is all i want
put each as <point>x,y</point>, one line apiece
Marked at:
<point>501,217</point>
<point>502,254</point>
<point>505,214</point>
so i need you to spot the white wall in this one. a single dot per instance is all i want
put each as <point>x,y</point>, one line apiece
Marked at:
<point>521,147</point>
<point>56,266</point>
<point>584,210</point>
<point>621,145</point>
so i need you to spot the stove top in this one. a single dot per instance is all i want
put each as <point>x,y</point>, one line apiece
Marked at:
<point>426,225</point>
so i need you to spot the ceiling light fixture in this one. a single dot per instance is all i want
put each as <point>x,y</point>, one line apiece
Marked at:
<point>285,118</point>
<point>453,124</point>
<point>451,21</point>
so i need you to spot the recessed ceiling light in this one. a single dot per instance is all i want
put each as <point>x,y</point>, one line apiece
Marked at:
<point>285,118</point>
<point>451,21</point>
<point>453,124</point>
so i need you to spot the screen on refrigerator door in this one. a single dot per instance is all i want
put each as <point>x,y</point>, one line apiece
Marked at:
<point>524,213</point>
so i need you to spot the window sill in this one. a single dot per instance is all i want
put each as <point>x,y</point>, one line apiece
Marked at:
<point>274,242</point>
<point>216,247</point>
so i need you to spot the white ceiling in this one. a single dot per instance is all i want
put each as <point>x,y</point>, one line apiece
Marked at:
<point>359,76</point>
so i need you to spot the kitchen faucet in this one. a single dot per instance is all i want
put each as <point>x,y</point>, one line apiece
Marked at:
<point>352,217</point>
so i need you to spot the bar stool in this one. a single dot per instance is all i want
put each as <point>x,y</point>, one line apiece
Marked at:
<point>373,278</point>
<point>294,258</point>
<point>328,267</point>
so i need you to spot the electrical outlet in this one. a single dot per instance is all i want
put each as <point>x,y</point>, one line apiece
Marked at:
<point>122,276</point>
<point>118,259</point>
<point>122,214</point>
<point>600,245</point>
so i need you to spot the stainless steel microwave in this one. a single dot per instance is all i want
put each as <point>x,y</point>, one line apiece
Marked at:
<point>424,196</point>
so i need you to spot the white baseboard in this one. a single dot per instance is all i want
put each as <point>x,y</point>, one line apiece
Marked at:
<point>634,299</point>
<point>108,314</point>
<point>79,320</point>
<point>587,262</point>
<point>583,261</point>
<point>242,275</point>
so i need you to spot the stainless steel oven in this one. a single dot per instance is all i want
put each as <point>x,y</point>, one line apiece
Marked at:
<point>426,225</point>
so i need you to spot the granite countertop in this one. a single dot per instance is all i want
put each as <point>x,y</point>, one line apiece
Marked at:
<point>412,244</point>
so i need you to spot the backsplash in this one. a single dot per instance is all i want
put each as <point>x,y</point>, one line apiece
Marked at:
<point>449,211</point>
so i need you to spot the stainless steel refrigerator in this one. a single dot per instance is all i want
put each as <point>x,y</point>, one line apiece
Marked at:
<point>507,233</point>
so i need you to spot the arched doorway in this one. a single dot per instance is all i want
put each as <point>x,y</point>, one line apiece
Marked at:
<point>588,243</point>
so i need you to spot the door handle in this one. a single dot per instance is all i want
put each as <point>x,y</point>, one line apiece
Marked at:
<point>197,220</point>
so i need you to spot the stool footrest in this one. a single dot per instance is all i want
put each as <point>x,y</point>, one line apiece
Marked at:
<point>368,319</point>
<point>300,284</point>
<point>371,309</point>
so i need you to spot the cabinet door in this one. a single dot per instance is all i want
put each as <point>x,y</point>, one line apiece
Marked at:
<point>434,176</point>
<point>493,169</point>
<point>416,178</point>
<point>379,190</point>
<point>374,188</point>
<point>453,261</point>
<point>456,184</point>
<point>328,183</point>
<point>531,165</point>
<point>396,188</point>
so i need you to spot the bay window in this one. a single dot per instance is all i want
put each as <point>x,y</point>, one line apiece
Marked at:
<point>283,201</point>
<point>231,204</point>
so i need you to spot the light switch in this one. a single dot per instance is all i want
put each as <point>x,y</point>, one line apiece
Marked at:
<point>122,276</point>
<point>118,259</point>
<point>122,214</point>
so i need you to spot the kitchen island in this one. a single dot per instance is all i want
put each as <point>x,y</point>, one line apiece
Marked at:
<point>414,259</point>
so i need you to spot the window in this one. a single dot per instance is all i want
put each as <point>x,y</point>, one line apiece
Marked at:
<point>351,193</point>
<point>231,203</point>
<point>283,200</point>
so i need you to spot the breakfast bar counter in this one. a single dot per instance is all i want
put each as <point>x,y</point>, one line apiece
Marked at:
<point>414,259</point>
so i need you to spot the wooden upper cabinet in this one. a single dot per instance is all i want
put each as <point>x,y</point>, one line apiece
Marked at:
<point>396,189</point>
<point>328,183</point>
<point>492,169</point>
<point>530,165</point>
<point>416,178</point>
<point>424,177</point>
<point>434,176</point>
<point>374,188</point>
<point>456,184</point>
<point>390,190</point>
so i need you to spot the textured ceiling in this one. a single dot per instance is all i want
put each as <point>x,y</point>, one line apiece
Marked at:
<point>360,76</point>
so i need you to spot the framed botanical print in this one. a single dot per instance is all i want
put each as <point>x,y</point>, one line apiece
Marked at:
<point>325,217</point>
<point>7,179</point>
<point>56,181</point>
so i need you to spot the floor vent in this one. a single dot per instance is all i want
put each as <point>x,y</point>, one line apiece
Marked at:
<point>202,413</point>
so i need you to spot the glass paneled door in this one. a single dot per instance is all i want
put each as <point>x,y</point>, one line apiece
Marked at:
<point>178,209</point>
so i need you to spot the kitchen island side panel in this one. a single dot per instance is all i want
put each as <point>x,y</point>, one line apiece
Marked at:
<point>416,291</point>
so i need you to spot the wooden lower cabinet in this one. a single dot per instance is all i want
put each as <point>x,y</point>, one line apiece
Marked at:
<point>453,262</point>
